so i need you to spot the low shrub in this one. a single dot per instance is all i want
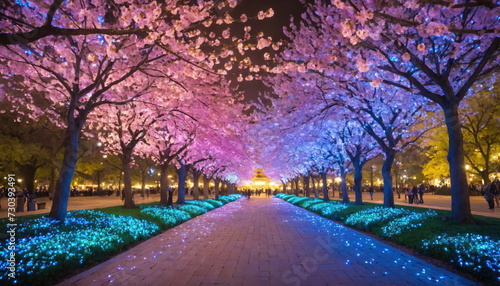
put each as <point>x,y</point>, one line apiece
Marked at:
<point>298,200</point>
<point>215,203</point>
<point>474,253</point>
<point>49,249</point>
<point>169,216</point>
<point>406,222</point>
<point>367,218</point>
<point>332,210</point>
<point>307,203</point>
<point>192,210</point>
<point>202,204</point>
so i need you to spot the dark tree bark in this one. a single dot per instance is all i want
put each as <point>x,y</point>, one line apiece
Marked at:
<point>358,178</point>
<point>52,183</point>
<point>164,184</point>
<point>315,189</point>
<point>196,184</point>
<point>63,183</point>
<point>390,154</point>
<point>325,187</point>
<point>460,203</point>
<point>127,179</point>
<point>181,191</point>
<point>307,187</point>
<point>216,188</point>
<point>28,172</point>
<point>343,186</point>
<point>206,182</point>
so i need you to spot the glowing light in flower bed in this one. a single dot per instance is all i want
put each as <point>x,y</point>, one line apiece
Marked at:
<point>332,208</point>
<point>169,216</point>
<point>366,218</point>
<point>306,204</point>
<point>407,222</point>
<point>202,204</point>
<point>228,199</point>
<point>47,247</point>
<point>296,200</point>
<point>215,203</point>
<point>193,210</point>
<point>479,255</point>
<point>284,196</point>
<point>475,253</point>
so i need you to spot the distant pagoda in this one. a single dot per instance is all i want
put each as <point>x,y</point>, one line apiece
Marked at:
<point>260,180</point>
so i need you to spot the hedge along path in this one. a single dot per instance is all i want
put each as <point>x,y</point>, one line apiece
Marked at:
<point>264,241</point>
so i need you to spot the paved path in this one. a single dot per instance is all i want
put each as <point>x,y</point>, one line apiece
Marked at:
<point>478,204</point>
<point>264,241</point>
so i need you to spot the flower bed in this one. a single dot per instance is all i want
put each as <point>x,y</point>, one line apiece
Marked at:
<point>192,210</point>
<point>297,200</point>
<point>407,222</point>
<point>169,216</point>
<point>202,204</point>
<point>477,254</point>
<point>367,218</point>
<point>472,253</point>
<point>307,203</point>
<point>214,203</point>
<point>49,248</point>
<point>332,209</point>
<point>228,199</point>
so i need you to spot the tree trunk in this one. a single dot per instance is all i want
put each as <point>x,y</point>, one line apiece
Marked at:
<point>387,177</point>
<point>325,187</point>
<point>307,187</point>
<point>28,172</point>
<point>196,185</point>
<point>358,178</point>
<point>99,180</point>
<point>460,203</point>
<point>206,182</point>
<point>284,187</point>
<point>52,182</point>
<point>127,179</point>
<point>216,188</point>
<point>296,180</point>
<point>315,189</point>
<point>63,184</point>
<point>343,185</point>
<point>164,184</point>
<point>485,177</point>
<point>181,190</point>
<point>143,181</point>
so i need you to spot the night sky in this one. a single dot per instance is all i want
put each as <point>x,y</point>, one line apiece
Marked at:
<point>272,27</point>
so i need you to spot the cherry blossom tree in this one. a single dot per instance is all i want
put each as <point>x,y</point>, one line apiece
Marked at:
<point>92,54</point>
<point>437,50</point>
<point>337,154</point>
<point>360,148</point>
<point>122,130</point>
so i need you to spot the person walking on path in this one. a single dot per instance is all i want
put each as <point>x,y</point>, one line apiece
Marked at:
<point>488,195</point>
<point>371,190</point>
<point>495,190</point>
<point>421,190</point>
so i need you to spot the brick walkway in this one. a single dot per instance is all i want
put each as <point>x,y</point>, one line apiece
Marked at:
<point>264,241</point>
